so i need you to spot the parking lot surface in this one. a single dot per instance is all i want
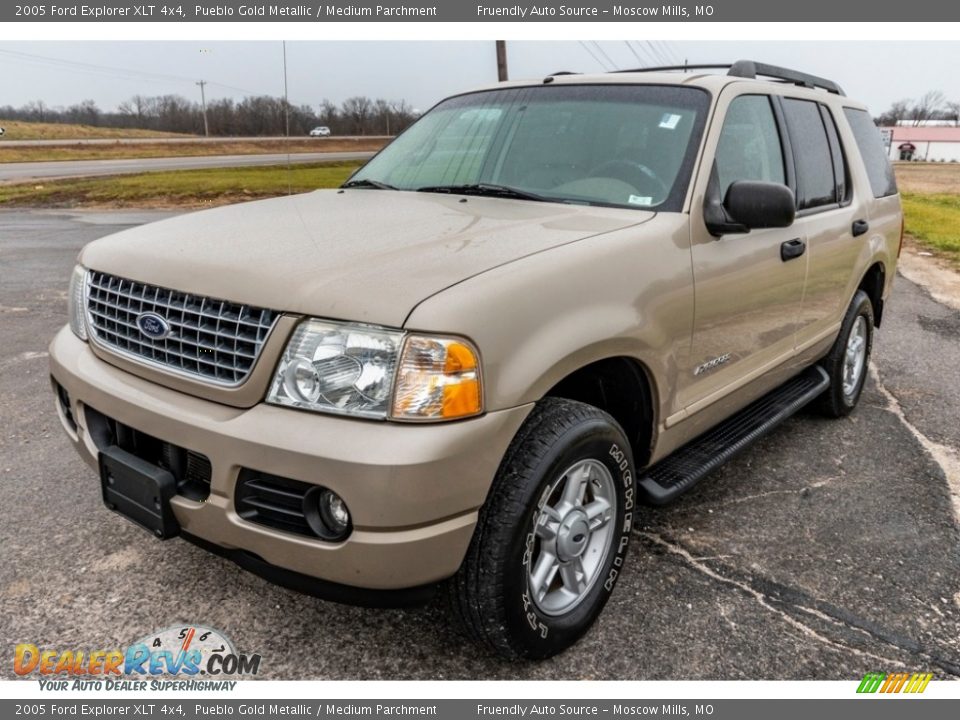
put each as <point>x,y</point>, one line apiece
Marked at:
<point>829,549</point>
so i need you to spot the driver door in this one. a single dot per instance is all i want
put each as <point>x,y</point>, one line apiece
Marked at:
<point>747,296</point>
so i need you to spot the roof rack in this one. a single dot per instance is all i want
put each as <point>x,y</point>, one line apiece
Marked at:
<point>750,69</point>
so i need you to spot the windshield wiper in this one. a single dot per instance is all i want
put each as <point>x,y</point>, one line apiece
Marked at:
<point>367,183</point>
<point>488,190</point>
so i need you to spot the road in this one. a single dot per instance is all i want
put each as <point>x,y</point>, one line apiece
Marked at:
<point>829,549</point>
<point>183,140</point>
<point>20,172</point>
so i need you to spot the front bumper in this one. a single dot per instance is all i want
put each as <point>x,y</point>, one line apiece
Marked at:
<point>413,490</point>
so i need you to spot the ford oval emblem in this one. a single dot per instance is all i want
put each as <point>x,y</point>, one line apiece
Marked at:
<point>153,326</point>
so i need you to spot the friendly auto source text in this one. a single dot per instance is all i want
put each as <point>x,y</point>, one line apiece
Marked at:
<point>632,11</point>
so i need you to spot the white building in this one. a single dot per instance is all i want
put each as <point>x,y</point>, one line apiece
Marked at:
<point>930,144</point>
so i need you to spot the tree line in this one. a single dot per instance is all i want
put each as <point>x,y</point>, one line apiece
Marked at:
<point>256,115</point>
<point>930,106</point>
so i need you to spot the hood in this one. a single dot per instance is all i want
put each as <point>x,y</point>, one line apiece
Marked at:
<point>361,255</point>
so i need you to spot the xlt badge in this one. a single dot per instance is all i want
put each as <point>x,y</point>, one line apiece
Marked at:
<point>711,364</point>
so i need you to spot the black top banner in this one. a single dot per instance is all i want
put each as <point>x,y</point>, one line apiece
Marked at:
<point>480,11</point>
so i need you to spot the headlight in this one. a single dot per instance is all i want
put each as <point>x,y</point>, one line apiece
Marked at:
<point>77,302</point>
<point>338,368</point>
<point>376,372</point>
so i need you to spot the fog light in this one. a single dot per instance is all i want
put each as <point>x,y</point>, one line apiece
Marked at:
<point>333,511</point>
<point>326,513</point>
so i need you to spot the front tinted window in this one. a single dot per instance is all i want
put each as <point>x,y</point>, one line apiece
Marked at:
<point>749,147</point>
<point>811,149</point>
<point>882,180</point>
<point>631,146</point>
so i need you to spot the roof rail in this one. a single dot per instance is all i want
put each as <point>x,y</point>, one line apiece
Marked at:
<point>750,69</point>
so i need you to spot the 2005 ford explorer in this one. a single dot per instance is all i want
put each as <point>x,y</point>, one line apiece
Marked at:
<point>543,304</point>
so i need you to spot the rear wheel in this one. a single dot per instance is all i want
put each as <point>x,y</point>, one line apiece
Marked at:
<point>848,359</point>
<point>550,541</point>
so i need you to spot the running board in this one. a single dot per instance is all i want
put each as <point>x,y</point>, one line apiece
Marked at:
<point>680,471</point>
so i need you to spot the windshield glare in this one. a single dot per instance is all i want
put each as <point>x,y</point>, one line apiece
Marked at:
<point>622,145</point>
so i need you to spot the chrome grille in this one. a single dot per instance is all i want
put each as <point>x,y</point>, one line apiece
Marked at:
<point>211,339</point>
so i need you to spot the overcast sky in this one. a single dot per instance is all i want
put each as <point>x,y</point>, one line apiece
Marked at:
<point>424,72</point>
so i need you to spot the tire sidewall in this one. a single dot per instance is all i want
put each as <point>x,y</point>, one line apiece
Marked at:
<point>860,308</point>
<point>537,634</point>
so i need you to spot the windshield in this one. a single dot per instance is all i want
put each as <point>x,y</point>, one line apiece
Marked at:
<point>622,145</point>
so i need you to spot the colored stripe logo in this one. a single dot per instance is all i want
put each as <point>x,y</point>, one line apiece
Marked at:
<point>894,683</point>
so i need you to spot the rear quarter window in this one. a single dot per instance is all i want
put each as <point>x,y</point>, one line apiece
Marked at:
<point>879,170</point>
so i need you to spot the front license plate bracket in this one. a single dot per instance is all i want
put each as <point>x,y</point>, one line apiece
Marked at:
<point>139,491</point>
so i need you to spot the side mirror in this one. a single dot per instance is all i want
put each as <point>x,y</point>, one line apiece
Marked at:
<point>756,205</point>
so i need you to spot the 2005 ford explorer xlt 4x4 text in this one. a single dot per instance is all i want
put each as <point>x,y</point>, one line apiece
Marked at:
<point>543,304</point>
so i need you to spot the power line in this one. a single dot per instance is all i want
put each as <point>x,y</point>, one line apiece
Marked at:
<point>117,72</point>
<point>593,55</point>
<point>668,48</point>
<point>635,53</point>
<point>661,58</point>
<point>648,60</point>
<point>604,53</point>
<point>84,66</point>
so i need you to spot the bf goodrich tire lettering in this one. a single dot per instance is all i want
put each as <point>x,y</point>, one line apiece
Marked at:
<point>492,592</point>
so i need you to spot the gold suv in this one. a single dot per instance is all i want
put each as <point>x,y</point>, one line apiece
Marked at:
<point>543,303</point>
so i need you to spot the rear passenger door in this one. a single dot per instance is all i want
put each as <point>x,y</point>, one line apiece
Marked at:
<point>827,212</point>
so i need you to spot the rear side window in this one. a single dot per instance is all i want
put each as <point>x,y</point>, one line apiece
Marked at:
<point>816,180</point>
<point>879,171</point>
<point>749,146</point>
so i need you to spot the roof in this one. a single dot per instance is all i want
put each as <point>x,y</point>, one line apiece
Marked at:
<point>925,134</point>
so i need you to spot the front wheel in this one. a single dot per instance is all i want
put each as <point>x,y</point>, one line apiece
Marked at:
<point>550,541</point>
<point>848,359</point>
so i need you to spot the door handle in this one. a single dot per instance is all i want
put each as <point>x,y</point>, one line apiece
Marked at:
<point>860,227</point>
<point>792,249</point>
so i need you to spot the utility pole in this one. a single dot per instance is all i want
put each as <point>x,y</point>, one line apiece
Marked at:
<point>286,95</point>
<point>203,104</point>
<point>501,60</point>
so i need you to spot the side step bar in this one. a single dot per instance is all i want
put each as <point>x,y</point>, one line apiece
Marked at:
<point>662,483</point>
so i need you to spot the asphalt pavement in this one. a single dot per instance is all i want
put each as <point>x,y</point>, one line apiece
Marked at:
<point>829,549</point>
<point>58,169</point>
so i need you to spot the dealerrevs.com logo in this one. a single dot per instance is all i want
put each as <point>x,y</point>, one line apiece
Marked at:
<point>189,657</point>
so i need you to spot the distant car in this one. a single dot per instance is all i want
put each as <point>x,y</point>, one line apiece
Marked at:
<point>320,131</point>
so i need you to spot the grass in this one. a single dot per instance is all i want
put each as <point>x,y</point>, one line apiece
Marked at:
<point>928,178</point>
<point>934,221</point>
<point>20,130</point>
<point>931,207</point>
<point>184,149</point>
<point>181,188</point>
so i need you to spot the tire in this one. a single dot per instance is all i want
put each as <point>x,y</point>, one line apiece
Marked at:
<point>842,396</point>
<point>563,444</point>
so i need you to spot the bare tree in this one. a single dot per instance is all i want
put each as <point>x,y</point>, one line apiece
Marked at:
<point>953,112</point>
<point>358,109</point>
<point>927,107</point>
<point>898,111</point>
<point>36,110</point>
<point>138,108</point>
<point>85,112</point>
<point>263,115</point>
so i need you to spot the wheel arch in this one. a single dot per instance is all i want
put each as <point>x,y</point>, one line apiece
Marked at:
<point>873,283</point>
<point>621,386</point>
